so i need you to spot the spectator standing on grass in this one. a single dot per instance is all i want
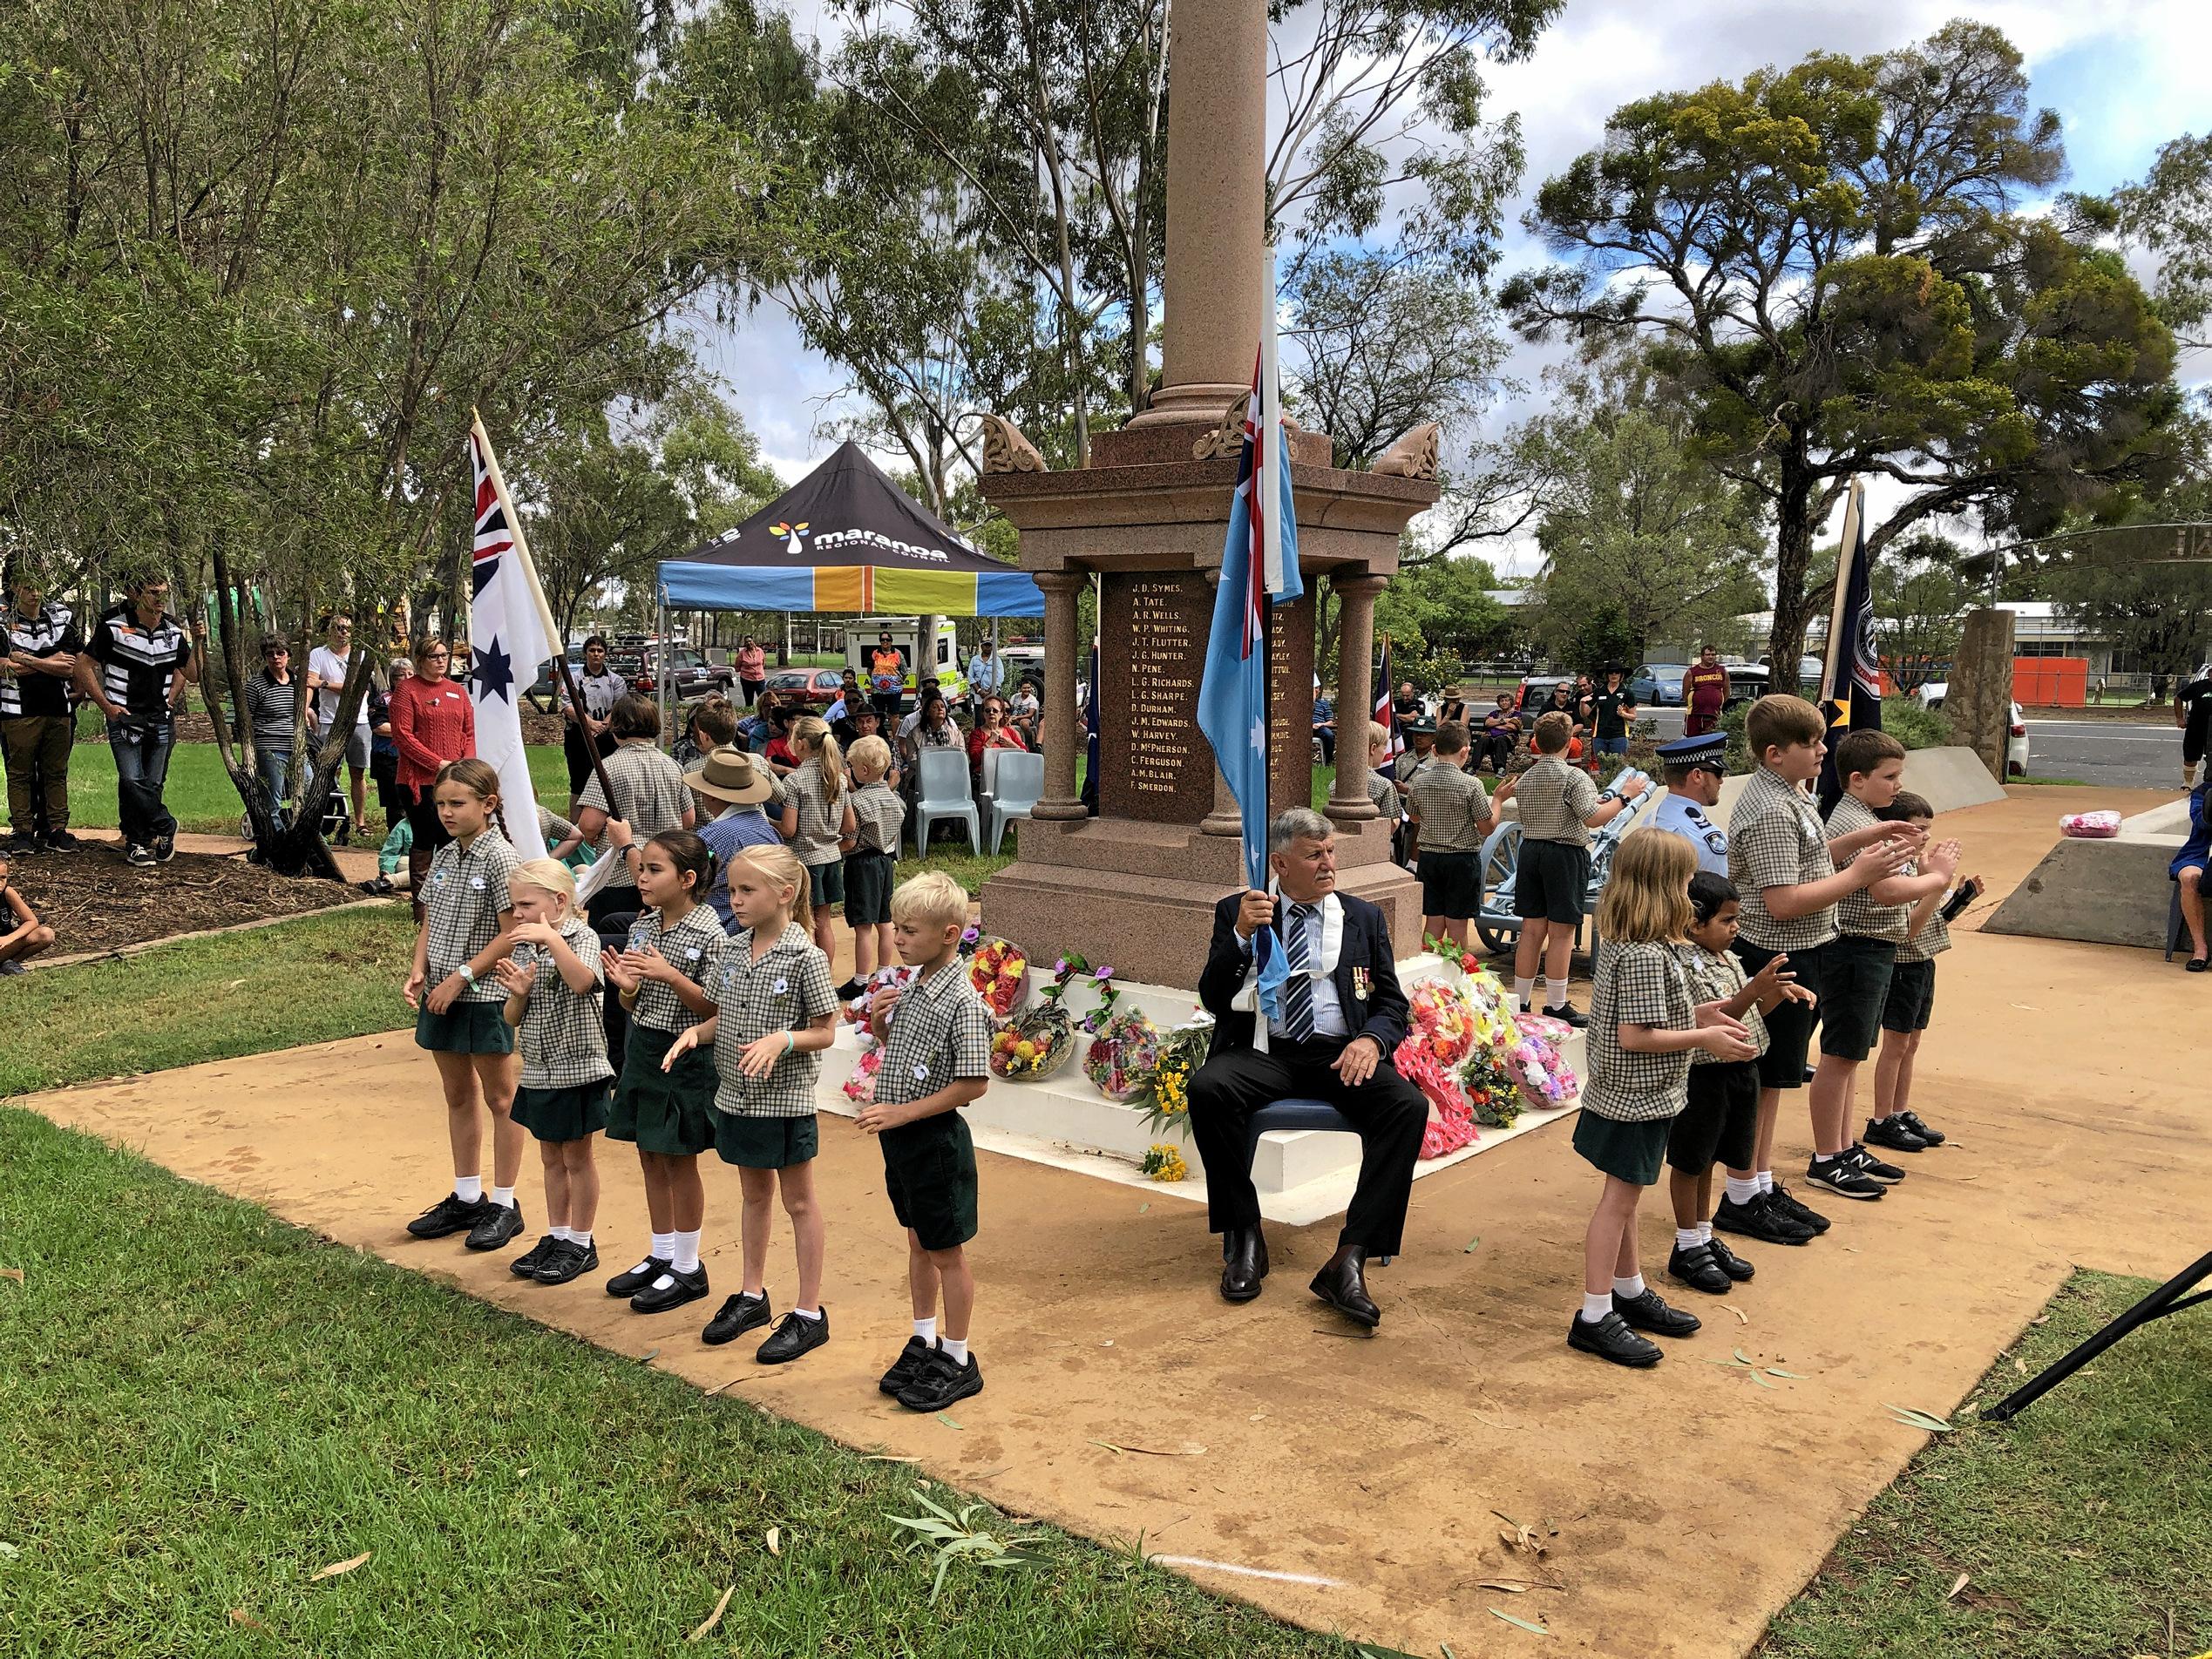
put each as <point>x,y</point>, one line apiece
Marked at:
<point>384,754</point>
<point>649,797</point>
<point>1610,712</point>
<point>272,700</point>
<point>432,723</point>
<point>1705,693</point>
<point>584,730</point>
<point>986,672</point>
<point>753,669</point>
<point>886,676</point>
<point>36,728</point>
<point>328,666</point>
<point>137,669</point>
<point>1325,726</point>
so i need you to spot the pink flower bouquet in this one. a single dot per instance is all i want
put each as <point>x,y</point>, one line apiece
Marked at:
<point>861,1087</point>
<point>1441,1022</point>
<point>1000,972</point>
<point>1122,1053</point>
<point>1545,1081</point>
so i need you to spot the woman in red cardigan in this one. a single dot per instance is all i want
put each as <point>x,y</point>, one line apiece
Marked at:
<point>432,722</point>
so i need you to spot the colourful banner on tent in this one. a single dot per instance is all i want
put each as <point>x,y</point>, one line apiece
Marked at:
<point>851,588</point>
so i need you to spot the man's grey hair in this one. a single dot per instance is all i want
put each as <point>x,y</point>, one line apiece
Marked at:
<point>1297,823</point>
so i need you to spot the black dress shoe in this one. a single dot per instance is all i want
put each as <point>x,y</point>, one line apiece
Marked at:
<point>1611,1338</point>
<point>1912,1121</point>
<point>794,1334</point>
<point>1696,1268</point>
<point>907,1366</point>
<point>449,1214</point>
<point>1731,1264</point>
<point>679,1290</point>
<point>1783,1202</point>
<point>501,1226</point>
<point>630,1283</point>
<point>1648,1312</point>
<point>568,1260</point>
<point>1761,1220</point>
<point>1893,1133</point>
<point>1342,1284</point>
<point>1244,1264</point>
<point>739,1314</point>
<point>1568,1015</point>
<point>526,1265</point>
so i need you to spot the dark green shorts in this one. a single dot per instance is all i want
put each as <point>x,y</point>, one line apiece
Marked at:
<point>764,1143</point>
<point>663,1112</point>
<point>1451,885</point>
<point>868,880</point>
<point>1550,881</point>
<point>1912,997</point>
<point>929,1171</point>
<point>1855,986</point>
<point>465,1028</point>
<point>563,1113</point>
<point>1630,1152</point>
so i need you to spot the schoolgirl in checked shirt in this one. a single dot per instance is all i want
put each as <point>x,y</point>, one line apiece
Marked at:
<point>775,1011</point>
<point>556,1004</point>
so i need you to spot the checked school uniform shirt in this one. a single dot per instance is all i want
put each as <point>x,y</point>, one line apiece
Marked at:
<point>649,794</point>
<point>1776,839</point>
<point>1857,912</point>
<point>693,947</point>
<point>54,630</point>
<point>786,990</point>
<point>877,815</point>
<point>1638,983</point>
<point>139,666</point>
<point>939,1033</point>
<point>1553,798</point>
<point>462,900</point>
<point>1930,941</point>
<point>563,1034</point>
<point>1716,978</point>
<point>815,841</point>
<point>1451,805</point>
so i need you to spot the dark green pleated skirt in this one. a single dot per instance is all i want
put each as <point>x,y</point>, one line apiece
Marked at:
<point>1630,1152</point>
<point>663,1112</point>
<point>465,1028</point>
<point>563,1113</point>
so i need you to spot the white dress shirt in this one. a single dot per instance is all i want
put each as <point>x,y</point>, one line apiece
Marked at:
<point>1328,1009</point>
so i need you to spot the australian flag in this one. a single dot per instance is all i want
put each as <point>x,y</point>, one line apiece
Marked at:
<point>1853,680</point>
<point>508,638</point>
<point>1259,566</point>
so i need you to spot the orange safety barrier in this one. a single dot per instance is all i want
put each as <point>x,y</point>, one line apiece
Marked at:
<point>2050,682</point>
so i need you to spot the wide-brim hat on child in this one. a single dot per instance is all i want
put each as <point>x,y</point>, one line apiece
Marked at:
<point>729,774</point>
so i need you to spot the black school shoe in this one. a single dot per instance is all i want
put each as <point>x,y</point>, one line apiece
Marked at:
<point>1912,1121</point>
<point>1843,1177</point>
<point>1566,1013</point>
<point>1784,1202</point>
<point>568,1260</point>
<point>449,1214</point>
<point>1611,1338</point>
<point>1761,1220</point>
<point>1893,1133</point>
<point>526,1265</point>
<point>940,1383</point>
<point>630,1283</point>
<point>739,1314</point>
<point>681,1289</point>
<point>796,1335</point>
<point>1696,1268</point>
<point>501,1226</point>
<point>1871,1167</point>
<point>906,1367</point>
<point>1648,1312</point>
<point>1729,1262</point>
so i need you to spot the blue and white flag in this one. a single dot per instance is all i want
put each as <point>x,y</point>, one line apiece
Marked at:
<point>1258,567</point>
<point>509,634</point>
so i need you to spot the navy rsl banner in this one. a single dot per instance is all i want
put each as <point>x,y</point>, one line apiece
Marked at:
<point>1852,677</point>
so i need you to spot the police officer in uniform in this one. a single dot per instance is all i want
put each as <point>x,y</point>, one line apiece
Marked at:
<point>1694,769</point>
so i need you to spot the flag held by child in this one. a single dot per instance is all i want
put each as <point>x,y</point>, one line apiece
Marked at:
<point>1851,679</point>
<point>509,634</point>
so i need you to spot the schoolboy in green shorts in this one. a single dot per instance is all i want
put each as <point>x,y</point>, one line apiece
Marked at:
<point>1559,807</point>
<point>1452,814</point>
<point>1912,999</point>
<point>936,1040</point>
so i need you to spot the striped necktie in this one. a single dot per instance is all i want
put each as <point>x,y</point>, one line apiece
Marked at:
<point>1297,990</point>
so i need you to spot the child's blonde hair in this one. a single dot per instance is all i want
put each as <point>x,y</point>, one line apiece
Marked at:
<point>931,899</point>
<point>813,731</point>
<point>550,875</point>
<point>779,866</point>
<point>869,760</point>
<point>1647,897</point>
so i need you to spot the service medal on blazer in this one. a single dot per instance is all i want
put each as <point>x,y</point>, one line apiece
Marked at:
<point>1359,984</point>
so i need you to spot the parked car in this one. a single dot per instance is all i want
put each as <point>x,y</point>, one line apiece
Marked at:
<point>820,686</point>
<point>1931,697</point>
<point>1659,683</point>
<point>545,688</point>
<point>693,674</point>
<point>1536,689</point>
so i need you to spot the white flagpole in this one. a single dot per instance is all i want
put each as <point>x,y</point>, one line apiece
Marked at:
<point>1846,554</point>
<point>1267,442</point>
<point>554,641</point>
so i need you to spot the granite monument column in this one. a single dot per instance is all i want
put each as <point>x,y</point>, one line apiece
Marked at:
<point>1348,802</point>
<point>1063,740</point>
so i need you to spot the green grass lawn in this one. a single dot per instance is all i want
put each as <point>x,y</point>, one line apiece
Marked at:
<point>206,1405</point>
<point>2083,1526</point>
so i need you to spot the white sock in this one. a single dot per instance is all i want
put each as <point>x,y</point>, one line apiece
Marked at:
<point>1630,1288</point>
<point>686,1258</point>
<point>1704,1232</point>
<point>664,1246</point>
<point>578,1235</point>
<point>1595,1308</point>
<point>954,1350</point>
<point>1741,1192</point>
<point>926,1329</point>
<point>504,1197</point>
<point>1522,990</point>
<point>468,1188</point>
<point>807,1313</point>
<point>1765,1179</point>
<point>1555,995</point>
<point>1687,1238</point>
<point>560,1233</point>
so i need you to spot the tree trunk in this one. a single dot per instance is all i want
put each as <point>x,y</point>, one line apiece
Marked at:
<point>1792,558</point>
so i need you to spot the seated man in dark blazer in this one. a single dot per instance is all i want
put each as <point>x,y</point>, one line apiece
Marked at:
<point>1341,1017</point>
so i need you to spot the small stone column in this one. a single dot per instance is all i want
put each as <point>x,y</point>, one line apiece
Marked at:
<point>1348,803</point>
<point>1062,730</point>
<point>1979,701</point>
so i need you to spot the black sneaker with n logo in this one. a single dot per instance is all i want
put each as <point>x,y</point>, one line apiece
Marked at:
<point>1842,1176</point>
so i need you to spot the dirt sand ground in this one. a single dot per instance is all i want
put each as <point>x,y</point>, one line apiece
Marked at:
<point>1366,1477</point>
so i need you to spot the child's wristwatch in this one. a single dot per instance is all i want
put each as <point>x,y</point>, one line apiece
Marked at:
<point>467,974</point>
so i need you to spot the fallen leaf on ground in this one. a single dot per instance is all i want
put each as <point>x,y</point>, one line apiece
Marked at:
<point>336,1567</point>
<point>1524,1624</point>
<point>1742,1359</point>
<point>14,1273</point>
<point>1141,1208</point>
<point>1957,1584</point>
<point>713,1618</point>
<point>1742,1318</point>
<point>1471,1243</point>
<point>2040,1320</point>
<point>1911,1417</point>
<point>947,1421</point>
<point>240,1615</point>
<point>1791,1375</point>
<point>775,1541</point>
<point>8,1552</point>
<point>649,1355</point>
<point>519,1473</point>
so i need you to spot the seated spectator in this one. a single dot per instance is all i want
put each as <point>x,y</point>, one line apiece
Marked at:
<point>1501,735</point>
<point>737,786</point>
<point>1325,727</point>
<point>1452,706</point>
<point>391,857</point>
<point>1028,715</point>
<point>848,698</point>
<point>754,731</point>
<point>991,732</point>
<point>863,721</point>
<point>24,935</point>
<point>782,759</point>
<point>921,691</point>
<point>564,841</point>
<point>712,724</point>
<point>1407,704</point>
<point>2186,872</point>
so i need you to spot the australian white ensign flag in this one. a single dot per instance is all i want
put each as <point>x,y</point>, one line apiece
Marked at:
<point>508,638</point>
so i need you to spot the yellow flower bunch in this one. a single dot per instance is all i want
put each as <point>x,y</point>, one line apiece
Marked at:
<point>1164,1162</point>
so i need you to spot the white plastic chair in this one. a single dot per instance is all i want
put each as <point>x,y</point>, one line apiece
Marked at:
<point>1019,785</point>
<point>942,792</point>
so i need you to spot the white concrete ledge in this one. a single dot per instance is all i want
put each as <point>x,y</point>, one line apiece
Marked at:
<point>2114,891</point>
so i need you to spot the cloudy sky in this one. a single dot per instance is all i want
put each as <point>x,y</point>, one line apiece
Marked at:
<point>2124,75</point>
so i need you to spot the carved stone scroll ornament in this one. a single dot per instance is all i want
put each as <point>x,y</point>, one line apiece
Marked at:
<point>1413,456</point>
<point>1226,438</point>
<point>1005,450</point>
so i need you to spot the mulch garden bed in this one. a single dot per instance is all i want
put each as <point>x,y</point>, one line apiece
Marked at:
<point>95,901</point>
